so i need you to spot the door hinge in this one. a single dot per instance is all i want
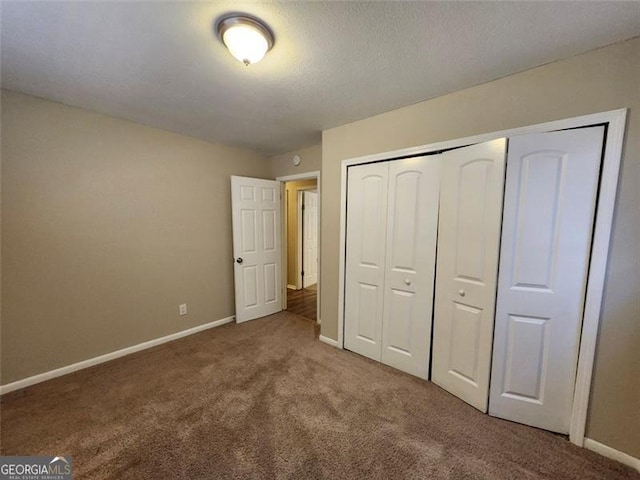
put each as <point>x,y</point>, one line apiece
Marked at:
<point>302,273</point>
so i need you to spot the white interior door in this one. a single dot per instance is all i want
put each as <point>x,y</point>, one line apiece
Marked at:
<point>310,238</point>
<point>467,264</point>
<point>255,207</point>
<point>412,228</point>
<point>365,258</point>
<point>550,198</point>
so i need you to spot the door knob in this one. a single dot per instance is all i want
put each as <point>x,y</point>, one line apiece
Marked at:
<point>461,293</point>
<point>239,260</point>
<point>407,281</point>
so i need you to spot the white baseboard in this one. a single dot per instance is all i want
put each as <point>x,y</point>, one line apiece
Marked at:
<point>291,287</point>
<point>58,372</point>
<point>612,453</point>
<point>328,341</point>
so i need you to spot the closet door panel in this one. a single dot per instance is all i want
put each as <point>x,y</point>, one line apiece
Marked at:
<point>365,257</point>
<point>468,243</point>
<point>466,322</point>
<point>550,197</point>
<point>412,223</point>
<point>469,209</point>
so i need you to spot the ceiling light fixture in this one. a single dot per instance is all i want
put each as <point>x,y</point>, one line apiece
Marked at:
<point>247,39</point>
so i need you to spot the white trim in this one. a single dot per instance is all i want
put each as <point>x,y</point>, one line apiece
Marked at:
<point>58,372</point>
<point>601,235</point>
<point>299,214</point>
<point>319,229</point>
<point>343,251</point>
<point>328,341</point>
<point>283,264</point>
<point>284,214</point>
<point>597,271</point>
<point>292,287</point>
<point>612,453</point>
<point>300,176</point>
<point>585,120</point>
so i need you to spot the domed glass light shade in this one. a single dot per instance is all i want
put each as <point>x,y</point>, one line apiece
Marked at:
<point>247,39</point>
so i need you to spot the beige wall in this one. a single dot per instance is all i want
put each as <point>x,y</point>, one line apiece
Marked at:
<point>601,80</point>
<point>107,227</point>
<point>292,226</point>
<point>311,161</point>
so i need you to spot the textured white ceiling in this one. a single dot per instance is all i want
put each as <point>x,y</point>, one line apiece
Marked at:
<point>159,63</point>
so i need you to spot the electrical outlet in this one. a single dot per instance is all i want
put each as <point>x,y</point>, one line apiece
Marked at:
<point>182,309</point>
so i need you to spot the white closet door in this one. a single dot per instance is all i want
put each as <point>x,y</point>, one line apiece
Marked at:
<point>310,226</point>
<point>552,183</point>
<point>412,227</point>
<point>365,258</point>
<point>467,265</point>
<point>255,207</point>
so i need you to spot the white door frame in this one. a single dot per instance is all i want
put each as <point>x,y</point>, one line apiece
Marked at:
<point>616,120</point>
<point>289,178</point>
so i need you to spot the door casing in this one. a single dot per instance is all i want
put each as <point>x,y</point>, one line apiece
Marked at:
<point>615,121</point>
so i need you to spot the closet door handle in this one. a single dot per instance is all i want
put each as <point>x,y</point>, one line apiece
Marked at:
<point>407,281</point>
<point>461,293</point>
<point>239,260</point>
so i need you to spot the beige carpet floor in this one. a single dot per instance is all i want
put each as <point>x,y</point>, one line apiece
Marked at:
<point>266,399</point>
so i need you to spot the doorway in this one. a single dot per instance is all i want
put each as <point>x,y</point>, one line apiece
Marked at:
<point>301,206</point>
